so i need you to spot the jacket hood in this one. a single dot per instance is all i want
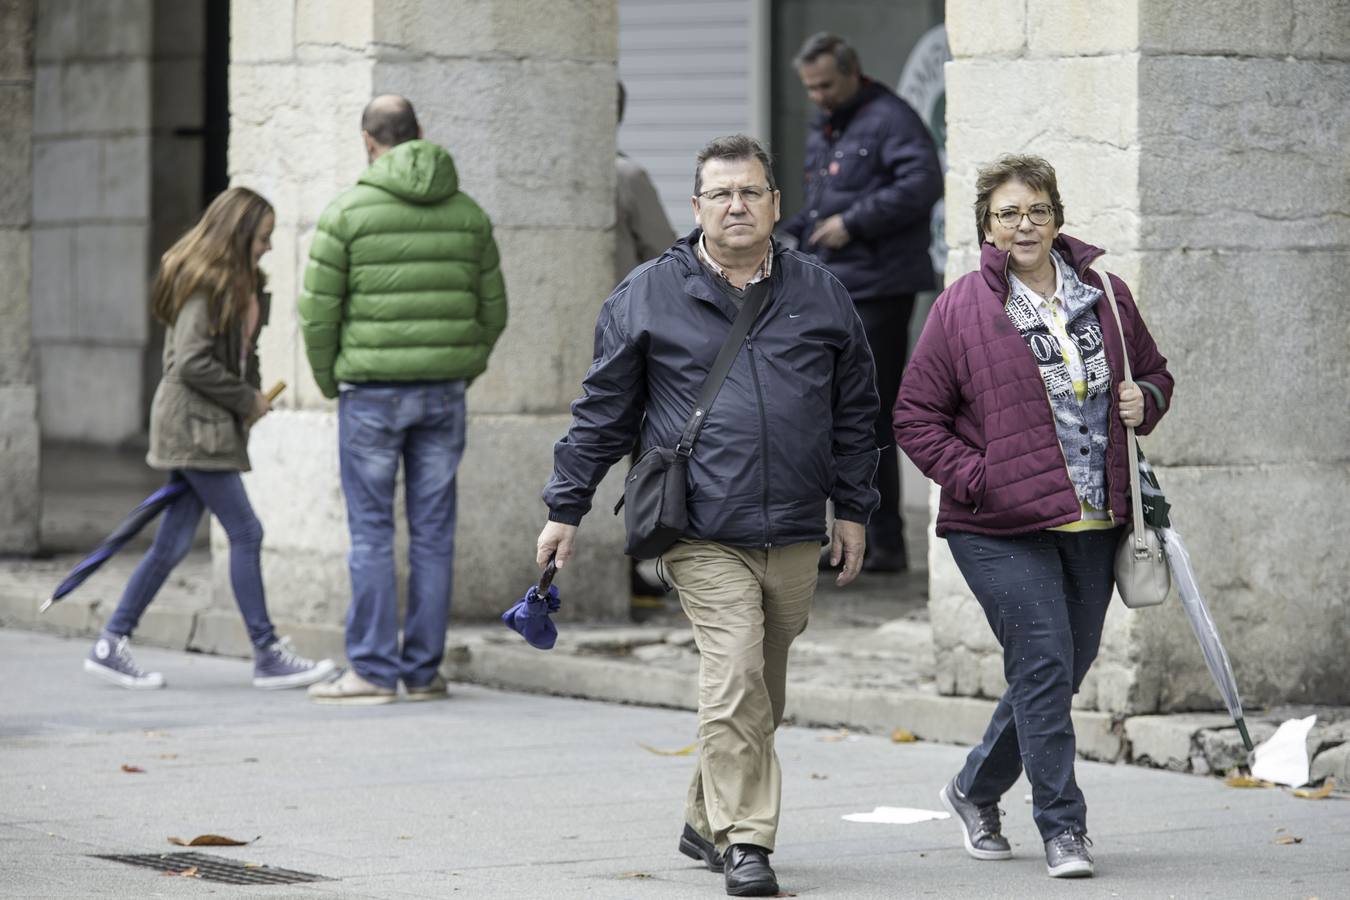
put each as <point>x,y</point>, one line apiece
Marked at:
<point>994,262</point>
<point>417,171</point>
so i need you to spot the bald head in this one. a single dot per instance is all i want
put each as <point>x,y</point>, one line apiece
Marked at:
<point>389,120</point>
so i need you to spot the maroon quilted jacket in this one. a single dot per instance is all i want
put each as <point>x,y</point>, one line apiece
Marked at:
<point>974,416</point>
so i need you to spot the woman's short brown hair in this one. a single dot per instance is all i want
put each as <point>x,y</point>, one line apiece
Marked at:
<point>1033,171</point>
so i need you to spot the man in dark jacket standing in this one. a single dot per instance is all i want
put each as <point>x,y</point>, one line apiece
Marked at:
<point>871,180</point>
<point>791,427</point>
<point>403,302</point>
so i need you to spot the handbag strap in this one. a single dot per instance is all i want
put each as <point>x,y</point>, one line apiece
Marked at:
<point>1131,447</point>
<point>750,306</point>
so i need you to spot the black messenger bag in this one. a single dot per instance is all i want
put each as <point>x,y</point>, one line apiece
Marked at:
<point>655,490</point>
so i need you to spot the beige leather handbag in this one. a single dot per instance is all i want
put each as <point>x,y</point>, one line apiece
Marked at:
<point>1142,574</point>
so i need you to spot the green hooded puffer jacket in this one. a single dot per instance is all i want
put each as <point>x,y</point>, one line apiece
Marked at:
<point>404,281</point>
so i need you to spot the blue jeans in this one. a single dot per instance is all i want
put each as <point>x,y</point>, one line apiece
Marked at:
<point>1045,595</point>
<point>423,425</point>
<point>223,494</point>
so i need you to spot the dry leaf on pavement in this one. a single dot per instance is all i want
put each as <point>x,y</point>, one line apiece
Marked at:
<point>683,751</point>
<point>636,875</point>
<point>1321,793</point>
<point>903,736</point>
<point>841,735</point>
<point>1239,780</point>
<point>210,840</point>
<point>189,872</point>
<point>132,770</point>
<point>1288,839</point>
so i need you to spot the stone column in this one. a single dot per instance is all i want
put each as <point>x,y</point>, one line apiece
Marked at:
<point>525,105</point>
<point>1207,153</point>
<point>20,511</point>
<point>91,217</point>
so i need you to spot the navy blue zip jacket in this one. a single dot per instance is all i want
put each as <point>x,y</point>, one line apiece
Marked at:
<point>793,423</point>
<point>873,161</point>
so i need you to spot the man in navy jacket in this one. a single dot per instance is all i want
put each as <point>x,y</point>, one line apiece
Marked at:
<point>871,179</point>
<point>790,428</point>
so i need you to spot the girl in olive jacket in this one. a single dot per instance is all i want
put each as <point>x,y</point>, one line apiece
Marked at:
<point>208,294</point>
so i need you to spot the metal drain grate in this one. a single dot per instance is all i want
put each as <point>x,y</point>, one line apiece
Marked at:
<point>213,868</point>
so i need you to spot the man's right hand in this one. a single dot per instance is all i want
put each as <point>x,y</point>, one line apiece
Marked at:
<point>555,540</point>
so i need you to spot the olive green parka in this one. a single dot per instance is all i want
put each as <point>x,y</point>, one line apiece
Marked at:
<point>404,281</point>
<point>207,392</point>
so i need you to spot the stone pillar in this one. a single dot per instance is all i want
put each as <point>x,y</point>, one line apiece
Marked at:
<point>1207,153</point>
<point>524,103</point>
<point>91,216</point>
<point>20,511</point>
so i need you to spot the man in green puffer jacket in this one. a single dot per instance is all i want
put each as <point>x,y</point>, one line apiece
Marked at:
<point>402,304</point>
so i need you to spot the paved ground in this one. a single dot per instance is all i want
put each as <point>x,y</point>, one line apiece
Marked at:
<point>501,795</point>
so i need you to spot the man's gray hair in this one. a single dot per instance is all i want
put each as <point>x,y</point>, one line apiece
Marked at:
<point>390,120</point>
<point>822,43</point>
<point>733,147</point>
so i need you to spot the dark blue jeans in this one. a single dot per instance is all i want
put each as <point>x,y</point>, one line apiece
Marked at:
<point>1045,595</point>
<point>422,425</point>
<point>223,494</point>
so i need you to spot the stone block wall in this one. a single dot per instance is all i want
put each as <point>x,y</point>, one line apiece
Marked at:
<point>91,215</point>
<point>524,104</point>
<point>1206,152</point>
<point>20,510</point>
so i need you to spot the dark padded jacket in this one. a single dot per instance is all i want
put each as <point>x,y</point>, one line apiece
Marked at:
<point>974,416</point>
<point>875,162</point>
<point>791,427</point>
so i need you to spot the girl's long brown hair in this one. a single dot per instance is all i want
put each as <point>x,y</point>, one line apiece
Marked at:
<point>214,256</point>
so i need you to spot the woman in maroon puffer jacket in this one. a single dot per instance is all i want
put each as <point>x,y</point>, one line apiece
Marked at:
<point>1014,403</point>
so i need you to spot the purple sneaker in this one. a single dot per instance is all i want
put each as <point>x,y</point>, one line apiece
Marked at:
<point>110,659</point>
<point>278,666</point>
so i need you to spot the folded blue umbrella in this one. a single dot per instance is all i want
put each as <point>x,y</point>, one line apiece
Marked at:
<point>128,528</point>
<point>529,616</point>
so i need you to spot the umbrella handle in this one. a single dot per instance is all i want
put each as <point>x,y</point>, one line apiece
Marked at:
<point>546,577</point>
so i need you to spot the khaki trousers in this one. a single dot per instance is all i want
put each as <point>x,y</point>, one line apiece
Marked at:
<point>746,606</point>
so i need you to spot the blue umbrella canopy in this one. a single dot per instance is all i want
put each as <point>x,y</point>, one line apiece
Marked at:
<point>529,616</point>
<point>127,529</point>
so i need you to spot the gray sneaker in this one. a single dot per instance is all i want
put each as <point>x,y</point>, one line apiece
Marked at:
<point>980,825</point>
<point>278,666</point>
<point>1067,856</point>
<point>110,659</point>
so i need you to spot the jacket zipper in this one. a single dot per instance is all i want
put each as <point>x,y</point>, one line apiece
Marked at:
<point>763,438</point>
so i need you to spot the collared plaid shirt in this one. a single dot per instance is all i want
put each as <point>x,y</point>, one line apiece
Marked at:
<point>764,271</point>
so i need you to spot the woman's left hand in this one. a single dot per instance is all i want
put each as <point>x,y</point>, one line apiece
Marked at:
<point>1131,404</point>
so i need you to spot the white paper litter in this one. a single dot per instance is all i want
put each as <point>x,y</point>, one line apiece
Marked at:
<point>1284,758</point>
<point>896,815</point>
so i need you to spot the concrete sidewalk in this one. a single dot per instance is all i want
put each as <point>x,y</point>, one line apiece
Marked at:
<point>502,795</point>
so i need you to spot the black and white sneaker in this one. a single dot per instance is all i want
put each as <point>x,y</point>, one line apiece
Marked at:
<point>277,666</point>
<point>980,825</point>
<point>110,659</point>
<point>1067,856</point>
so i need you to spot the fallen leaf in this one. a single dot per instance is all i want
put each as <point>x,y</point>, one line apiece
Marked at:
<point>903,736</point>
<point>253,865</point>
<point>636,875</point>
<point>841,735</point>
<point>132,770</point>
<point>683,751</point>
<point>1288,839</point>
<point>1239,780</point>
<point>189,872</point>
<point>405,837</point>
<point>210,840</point>
<point>816,776</point>
<point>168,756</point>
<point>1321,793</point>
